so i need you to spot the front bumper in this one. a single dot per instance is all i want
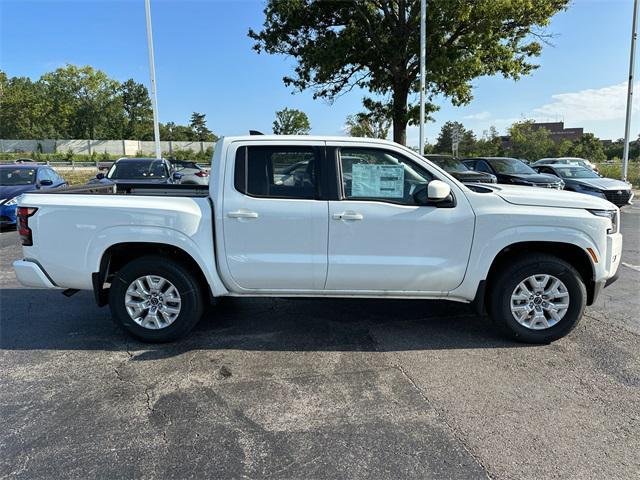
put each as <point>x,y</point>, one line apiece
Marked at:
<point>30,274</point>
<point>611,264</point>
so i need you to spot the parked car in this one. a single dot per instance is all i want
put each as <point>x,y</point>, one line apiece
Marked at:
<point>192,173</point>
<point>139,170</point>
<point>459,170</point>
<point>584,180</point>
<point>21,178</point>
<point>375,219</point>
<point>567,161</point>
<point>24,160</point>
<point>513,171</point>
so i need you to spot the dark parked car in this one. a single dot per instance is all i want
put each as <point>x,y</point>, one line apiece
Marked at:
<point>513,171</point>
<point>139,170</point>
<point>21,178</point>
<point>584,180</point>
<point>459,170</point>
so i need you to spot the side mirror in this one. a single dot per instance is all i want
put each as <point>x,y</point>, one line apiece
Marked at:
<point>437,191</point>
<point>177,176</point>
<point>46,183</point>
<point>100,176</point>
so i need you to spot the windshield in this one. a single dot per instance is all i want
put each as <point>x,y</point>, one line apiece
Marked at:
<point>137,170</point>
<point>576,172</point>
<point>510,165</point>
<point>17,176</point>
<point>450,164</point>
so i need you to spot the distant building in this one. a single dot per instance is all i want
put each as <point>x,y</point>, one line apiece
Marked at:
<point>558,132</point>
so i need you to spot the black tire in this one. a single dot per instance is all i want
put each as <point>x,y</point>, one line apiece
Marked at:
<point>499,301</point>
<point>190,292</point>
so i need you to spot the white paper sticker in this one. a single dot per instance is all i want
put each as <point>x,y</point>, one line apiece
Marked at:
<point>386,181</point>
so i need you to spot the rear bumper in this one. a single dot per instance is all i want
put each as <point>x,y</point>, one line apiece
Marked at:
<point>30,274</point>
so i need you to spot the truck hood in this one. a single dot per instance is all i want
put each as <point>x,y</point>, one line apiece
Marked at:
<point>546,197</point>
<point>604,183</point>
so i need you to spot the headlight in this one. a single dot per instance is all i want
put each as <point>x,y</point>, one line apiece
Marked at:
<point>11,201</point>
<point>611,215</point>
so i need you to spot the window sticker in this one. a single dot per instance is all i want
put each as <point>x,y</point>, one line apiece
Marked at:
<point>383,181</point>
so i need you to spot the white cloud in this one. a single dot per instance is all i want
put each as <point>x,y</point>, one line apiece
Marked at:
<point>594,104</point>
<point>478,116</point>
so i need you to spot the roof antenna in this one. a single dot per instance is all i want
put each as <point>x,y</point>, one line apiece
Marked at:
<point>255,132</point>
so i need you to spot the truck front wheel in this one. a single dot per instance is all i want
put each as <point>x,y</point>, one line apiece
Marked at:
<point>537,299</point>
<point>155,299</point>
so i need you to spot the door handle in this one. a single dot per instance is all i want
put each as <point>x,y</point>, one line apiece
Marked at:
<point>347,216</point>
<point>243,214</point>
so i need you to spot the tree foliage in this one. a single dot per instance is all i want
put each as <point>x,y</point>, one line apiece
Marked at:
<point>290,121</point>
<point>82,102</point>
<point>527,142</point>
<point>374,122</point>
<point>374,44</point>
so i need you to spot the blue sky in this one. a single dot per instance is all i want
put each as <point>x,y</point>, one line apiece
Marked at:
<point>204,62</point>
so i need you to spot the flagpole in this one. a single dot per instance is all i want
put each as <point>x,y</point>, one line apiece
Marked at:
<point>152,71</point>
<point>423,44</point>
<point>632,61</point>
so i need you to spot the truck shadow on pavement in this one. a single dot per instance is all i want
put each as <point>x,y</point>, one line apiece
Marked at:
<point>32,319</point>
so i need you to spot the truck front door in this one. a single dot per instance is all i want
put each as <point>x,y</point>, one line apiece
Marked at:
<point>380,239</point>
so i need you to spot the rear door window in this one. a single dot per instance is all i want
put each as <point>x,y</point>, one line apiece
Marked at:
<point>276,172</point>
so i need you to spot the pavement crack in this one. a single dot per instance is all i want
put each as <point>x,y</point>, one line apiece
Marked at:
<point>441,414</point>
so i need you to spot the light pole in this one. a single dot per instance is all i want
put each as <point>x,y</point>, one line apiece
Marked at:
<point>152,71</point>
<point>632,61</point>
<point>423,45</point>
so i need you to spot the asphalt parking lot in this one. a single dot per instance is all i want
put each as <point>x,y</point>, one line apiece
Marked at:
<point>274,388</point>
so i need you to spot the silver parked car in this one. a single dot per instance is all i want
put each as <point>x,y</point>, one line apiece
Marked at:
<point>192,173</point>
<point>566,161</point>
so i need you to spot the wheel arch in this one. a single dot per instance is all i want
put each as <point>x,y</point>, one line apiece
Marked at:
<point>574,255</point>
<point>119,254</point>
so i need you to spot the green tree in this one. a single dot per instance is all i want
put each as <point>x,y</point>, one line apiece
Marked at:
<point>138,122</point>
<point>589,147</point>
<point>83,102</point>
<point>22,109</point>
<point>198,125</point>
<point>529,143</point>
<point>563,148</point>
<point>374,44</point>
<point>489,145</point>
<point>291,122</point>
<point>449,131</point>
<point>375,122</point>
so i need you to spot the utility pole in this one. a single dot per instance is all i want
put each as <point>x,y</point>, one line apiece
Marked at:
<point>632,61</point>
<point>423,47</point>
<point>152,71</point>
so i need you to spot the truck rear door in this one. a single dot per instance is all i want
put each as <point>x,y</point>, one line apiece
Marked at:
<point>275,226</point>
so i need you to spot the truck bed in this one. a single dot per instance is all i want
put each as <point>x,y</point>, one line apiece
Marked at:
<point>141,189</point>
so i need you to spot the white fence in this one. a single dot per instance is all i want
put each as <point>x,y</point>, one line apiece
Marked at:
<point>112,147</point>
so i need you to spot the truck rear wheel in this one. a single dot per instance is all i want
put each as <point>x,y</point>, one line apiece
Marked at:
<point>537,299</point>
<point>155,299</point>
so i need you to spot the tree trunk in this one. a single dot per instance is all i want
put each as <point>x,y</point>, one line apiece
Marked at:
<point>400,95</point>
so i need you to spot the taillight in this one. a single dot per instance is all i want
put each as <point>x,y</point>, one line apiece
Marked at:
<point>24,231</point>
<point>201,173</point>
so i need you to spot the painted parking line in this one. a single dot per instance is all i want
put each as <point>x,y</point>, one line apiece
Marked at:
<point>633,267</point>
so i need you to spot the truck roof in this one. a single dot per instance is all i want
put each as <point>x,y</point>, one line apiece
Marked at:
<point>316,138</point>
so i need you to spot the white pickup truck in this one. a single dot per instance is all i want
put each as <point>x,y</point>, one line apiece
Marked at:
<point>322,217</point>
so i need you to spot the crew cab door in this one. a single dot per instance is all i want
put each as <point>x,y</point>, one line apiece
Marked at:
<point>380,239</point>
<point>275,226</point>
